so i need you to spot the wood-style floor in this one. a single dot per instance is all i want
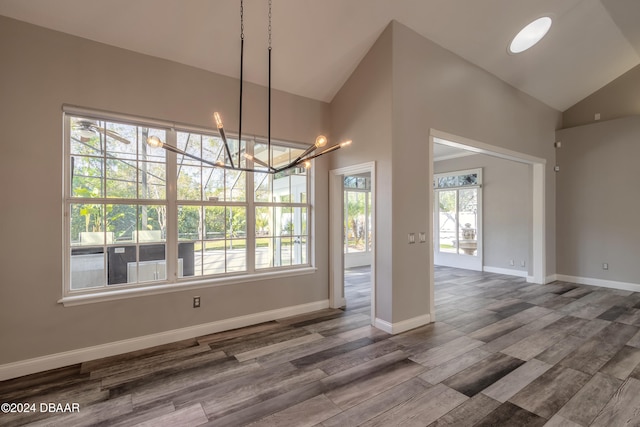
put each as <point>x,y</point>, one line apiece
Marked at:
<point>502,353</point>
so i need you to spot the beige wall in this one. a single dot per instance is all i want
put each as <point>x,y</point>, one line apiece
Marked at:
<point>435,89</point>
<point>619,98</point>
<point>506,208</point>
<point>39,71</point>
<point>430,88</point>
<point>361,111</point>
<point>598,201</point>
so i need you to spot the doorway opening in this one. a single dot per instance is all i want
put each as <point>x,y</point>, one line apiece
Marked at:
<point>535,271</point>
<point>357,241</point>
<point>352,238</point>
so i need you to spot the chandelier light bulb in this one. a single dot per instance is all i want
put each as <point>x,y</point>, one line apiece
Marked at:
<point>344,144</point>
<point>321,141</point>
<point>307,164</point>
<point>154,141</point>
<point>216,117</point>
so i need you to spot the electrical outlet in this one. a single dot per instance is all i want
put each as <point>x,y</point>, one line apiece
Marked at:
<point>196,302</point>
<point>523,263</point>
<point>512,262</point>
<point>605,265</point>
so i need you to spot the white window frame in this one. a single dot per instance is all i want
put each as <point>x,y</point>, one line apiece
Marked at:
<point>173,282</point>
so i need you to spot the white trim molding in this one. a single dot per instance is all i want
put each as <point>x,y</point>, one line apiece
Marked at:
<point>551,278</point>
<point>58,360</point>
<point>508,272</point>
<point>402,326</point>
<point>603,283</point>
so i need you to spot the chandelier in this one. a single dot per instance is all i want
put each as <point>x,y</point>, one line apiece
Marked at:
<point>303,160</point>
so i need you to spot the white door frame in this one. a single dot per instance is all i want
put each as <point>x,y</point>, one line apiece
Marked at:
<point>336,233</point>
<point>538,255</point>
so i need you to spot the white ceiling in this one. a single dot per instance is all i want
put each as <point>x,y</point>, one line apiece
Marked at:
<point>318,43</point>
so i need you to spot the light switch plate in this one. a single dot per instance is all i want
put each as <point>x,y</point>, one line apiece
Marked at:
<point>412,238</point>
<point>422,236</point>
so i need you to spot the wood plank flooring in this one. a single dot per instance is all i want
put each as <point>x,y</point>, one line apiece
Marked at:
<point>501,353</point>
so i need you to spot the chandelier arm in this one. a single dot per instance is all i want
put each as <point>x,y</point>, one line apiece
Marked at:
<point>210,163</point>
<point>226,145</point>
<point>306,159</point>
<point>306,152</point>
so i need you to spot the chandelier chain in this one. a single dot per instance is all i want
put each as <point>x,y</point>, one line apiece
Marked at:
<point>269,24</point>
<point>242,19</point>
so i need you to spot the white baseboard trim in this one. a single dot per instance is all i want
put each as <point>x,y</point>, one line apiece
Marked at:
<point>551,278</point>
<point>405,325</point>
<point>58,360</point>
<point>625,286</point>
<point>509,272</point>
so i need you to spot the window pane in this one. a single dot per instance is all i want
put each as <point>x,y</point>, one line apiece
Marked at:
<point>264,252</point>
<point>87,225</point>
<point>120,260</point>
<point>447,222</point>
<point>355,221</point>
<point>471,179</point>
<point>260,154</point>
<point>152,220</point>
<point>281,189</point>
<point>299,220</point>
<point>198,258</point>
<point>236,222</point>
<point>236,255</point>
<point>121,141</point>
<point>299,187</point>
<point>235,186</point>
<point>152,177</point>
<point>189,183</point>
<point>215,224</point>
<point>468,214</point>
<point>262,185</point>
<point>121,222</point>
<point>121,178</point>
<point>86,139</point>
<point>297,248</point>
<point>192,144</point>
<point>282,252</point>
<point>213,184</point>
<point>213,259</point>
<point>304,250</point>
<point>152,265</point>
<point>152,180</point>
<point>284,221</point>
<point>212,148</point>
<point>263,221</point>
<point>87,268</point>
<point>86,176</point>
<point>189,223</point>
<point>447,181</point>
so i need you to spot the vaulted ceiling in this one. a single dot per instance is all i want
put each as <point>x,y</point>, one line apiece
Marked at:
<point>318,43</point>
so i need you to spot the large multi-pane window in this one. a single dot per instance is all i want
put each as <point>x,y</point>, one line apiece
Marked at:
<point>137,215</point>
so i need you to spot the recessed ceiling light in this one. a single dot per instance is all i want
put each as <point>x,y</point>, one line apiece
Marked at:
<point>530,35</point>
